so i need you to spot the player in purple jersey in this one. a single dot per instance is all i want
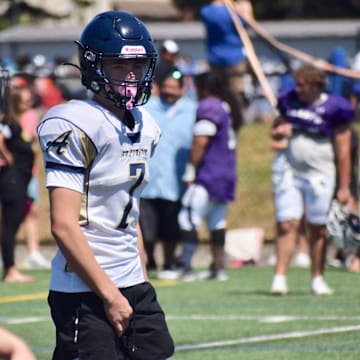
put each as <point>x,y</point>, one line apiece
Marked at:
<point>319,122</point>
<point>210,175</point>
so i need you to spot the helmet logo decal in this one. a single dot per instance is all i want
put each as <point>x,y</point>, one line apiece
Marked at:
<point>90,56</point>
<point>131,49</point>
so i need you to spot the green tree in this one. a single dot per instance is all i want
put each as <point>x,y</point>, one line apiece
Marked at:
<point>20,12</point>
<point>193,5</point>
<point>290,9</point>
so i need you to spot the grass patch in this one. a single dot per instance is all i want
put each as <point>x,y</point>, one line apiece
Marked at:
<point>235,319</point>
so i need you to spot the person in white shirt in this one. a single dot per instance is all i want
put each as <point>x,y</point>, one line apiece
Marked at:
<point>96,155</point>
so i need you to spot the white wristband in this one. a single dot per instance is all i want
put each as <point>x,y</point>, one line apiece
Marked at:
<point>189,173</point>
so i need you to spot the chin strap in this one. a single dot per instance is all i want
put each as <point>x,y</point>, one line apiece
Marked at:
<point>123,98</point>
<point>119,101</point>
<point>130,103</point>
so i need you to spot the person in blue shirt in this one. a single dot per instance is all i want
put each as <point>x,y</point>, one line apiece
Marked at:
<point>174,112</point>
<point>339,84</point>
<point>225,51</point>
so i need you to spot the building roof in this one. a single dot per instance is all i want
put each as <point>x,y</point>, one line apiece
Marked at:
<point>154,9</point>
<point>157,9</point>
<point>188,30</point>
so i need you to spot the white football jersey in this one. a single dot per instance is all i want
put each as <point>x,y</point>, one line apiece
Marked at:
<point>87,149</point>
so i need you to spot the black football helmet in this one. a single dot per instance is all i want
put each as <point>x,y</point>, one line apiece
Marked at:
<point>4,89</point>
<point>116,35</point>
<point>343,227</point>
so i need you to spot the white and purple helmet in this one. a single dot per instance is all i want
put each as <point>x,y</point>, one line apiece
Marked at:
<point>343,227</point>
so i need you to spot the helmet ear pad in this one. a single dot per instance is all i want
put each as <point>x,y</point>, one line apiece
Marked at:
<point>115,35</point>
<point>92,75</point>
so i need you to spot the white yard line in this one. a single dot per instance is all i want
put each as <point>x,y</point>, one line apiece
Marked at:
<point>205,317</point>
<point>24,320</point>
<point>239,341</point>
<point>268,337</point>
<point>262,319</point>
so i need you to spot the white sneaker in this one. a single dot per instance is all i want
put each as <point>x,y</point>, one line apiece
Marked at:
<point>36,260</point>
<point>169,274</point>
<point>188,276</point>
<point>216,274</point>
<point>203,275</point>
<point>302,260</point>
<point>319,287</point>
<point>220,275</point>
<point>336,263</point>
<point>279,286</point>
<point>272,260</point>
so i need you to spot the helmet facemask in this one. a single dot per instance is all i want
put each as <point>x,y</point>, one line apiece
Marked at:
<point>132,88</point>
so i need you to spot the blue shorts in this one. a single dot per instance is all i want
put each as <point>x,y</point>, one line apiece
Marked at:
<point>33,191</point>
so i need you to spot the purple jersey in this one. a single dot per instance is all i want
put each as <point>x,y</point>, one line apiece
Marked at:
<point>329,113</point>
<point>217,172</point>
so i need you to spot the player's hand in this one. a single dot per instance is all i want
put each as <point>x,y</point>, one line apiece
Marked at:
<point>119,313</point>
<point>343,196</point>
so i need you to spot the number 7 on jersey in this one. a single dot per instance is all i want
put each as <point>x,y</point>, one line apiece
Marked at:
<point>137,172</point>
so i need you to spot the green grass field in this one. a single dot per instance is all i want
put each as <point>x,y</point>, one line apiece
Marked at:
<point>231,320</point>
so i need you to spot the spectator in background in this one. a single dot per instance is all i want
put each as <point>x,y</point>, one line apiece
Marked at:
<point>28,117</point>
<point>188,68</point>
<point>287,81</point>
<point>168,56</point>
<point>318,121</point>
<point>160,200</point>
<point>211,178</point>
<point>225,52</point>
<point>339,84</point>
<point>355,85</point>
<point>48,90</point>
<point>18,158</point>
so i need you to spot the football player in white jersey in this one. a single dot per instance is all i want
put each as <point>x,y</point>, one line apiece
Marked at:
<point>96,155</point>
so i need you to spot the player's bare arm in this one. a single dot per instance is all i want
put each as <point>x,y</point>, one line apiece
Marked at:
<point>342,143</point>
<point>140,244</point>
<point>279,134</point>
<point>198,149</point>
<point>5,154</point>
<point>64,208</point>
<point>14,348</point>
<point>197,153</point>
